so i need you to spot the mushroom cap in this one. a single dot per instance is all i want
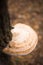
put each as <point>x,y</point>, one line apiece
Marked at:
<point>24,40</point>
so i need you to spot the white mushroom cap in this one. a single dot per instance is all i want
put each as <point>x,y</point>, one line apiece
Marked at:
<point>24,40</point>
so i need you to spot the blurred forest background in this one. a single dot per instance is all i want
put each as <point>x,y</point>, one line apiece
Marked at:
<point>29,12</point>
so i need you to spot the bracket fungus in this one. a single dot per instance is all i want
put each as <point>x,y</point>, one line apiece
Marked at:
<point>24,40</point>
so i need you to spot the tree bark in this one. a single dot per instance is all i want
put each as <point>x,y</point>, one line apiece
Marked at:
<point>5,34</point>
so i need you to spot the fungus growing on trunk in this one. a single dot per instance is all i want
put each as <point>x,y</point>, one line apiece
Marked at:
<point>24,40</point>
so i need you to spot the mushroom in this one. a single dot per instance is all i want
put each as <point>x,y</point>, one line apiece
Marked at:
<point>24,40</point>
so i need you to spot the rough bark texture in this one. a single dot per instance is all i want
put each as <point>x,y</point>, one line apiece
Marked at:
<point>5,34</point>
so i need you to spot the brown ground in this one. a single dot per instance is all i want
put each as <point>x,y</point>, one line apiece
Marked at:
<point>29,12</point>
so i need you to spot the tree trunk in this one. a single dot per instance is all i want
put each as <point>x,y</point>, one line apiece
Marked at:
<point>5,34</point>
